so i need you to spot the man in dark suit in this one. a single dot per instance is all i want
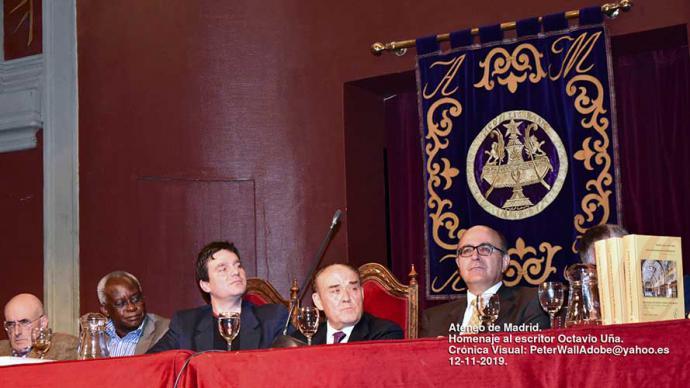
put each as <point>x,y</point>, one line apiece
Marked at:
<point>338,292</point>
<point>223,281</point>
<point>482,258</point>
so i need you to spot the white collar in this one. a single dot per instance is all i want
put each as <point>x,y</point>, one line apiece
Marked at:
<point>330,331</point>
<point>469,310</point>
<point>490,291</point>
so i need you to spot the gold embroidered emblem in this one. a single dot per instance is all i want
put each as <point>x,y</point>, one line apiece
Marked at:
<point>514,152</point>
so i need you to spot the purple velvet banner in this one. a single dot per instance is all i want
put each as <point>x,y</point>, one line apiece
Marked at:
<point>517,135</point>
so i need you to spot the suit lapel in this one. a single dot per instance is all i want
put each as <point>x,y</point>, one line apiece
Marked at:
<point>457,313</point>
<point>361,330</point>
<point>320,337</point>
<point>250,328</point>
<point>203,330</point>
<point>506,300</point>
<point>146,336</point>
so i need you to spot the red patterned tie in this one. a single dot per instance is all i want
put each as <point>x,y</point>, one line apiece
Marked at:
<point>338,336</point>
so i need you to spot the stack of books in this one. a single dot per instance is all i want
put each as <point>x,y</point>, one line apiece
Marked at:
<point>640,278</point>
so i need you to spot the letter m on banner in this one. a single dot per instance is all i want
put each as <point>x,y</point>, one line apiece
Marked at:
<point>517,134</point>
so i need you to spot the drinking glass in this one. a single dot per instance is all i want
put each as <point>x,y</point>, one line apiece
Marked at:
<point>308,321</point>
<point>229,326</point>
<point>551,295</point>
<point>41,339</point>
<point>488,306</point>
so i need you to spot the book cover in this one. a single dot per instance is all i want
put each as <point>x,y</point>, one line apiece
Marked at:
<point>655,268</point>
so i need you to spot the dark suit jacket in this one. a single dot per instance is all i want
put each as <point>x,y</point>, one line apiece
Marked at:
<point>193,329</point>
<point>518,305</point>
<point>369,328</point>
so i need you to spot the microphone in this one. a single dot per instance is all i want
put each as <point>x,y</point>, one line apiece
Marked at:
<point>285,340</point>
<point>336,218</point>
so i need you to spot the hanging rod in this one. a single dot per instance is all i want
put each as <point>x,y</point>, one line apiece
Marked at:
<point>612,10</point>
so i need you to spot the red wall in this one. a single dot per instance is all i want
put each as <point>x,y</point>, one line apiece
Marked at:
<point>21,175</point>
<point>21,228</point>
<point>228,116</point>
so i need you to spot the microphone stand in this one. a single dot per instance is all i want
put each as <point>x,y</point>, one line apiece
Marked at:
<point>284,340</point>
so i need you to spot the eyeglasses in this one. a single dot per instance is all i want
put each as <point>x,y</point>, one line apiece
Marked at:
<point>10,326</point>
<point>482,250</point>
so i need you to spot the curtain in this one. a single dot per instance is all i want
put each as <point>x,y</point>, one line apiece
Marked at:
<point>653,98</point>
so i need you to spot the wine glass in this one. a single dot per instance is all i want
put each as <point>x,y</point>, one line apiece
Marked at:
<point>551,296</point>
<point>229,326</point>
<point>41,339</point>
<point>308,321</point>
<point>488,306</point>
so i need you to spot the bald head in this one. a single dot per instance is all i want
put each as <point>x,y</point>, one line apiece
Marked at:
<point>23,303</point>
<point>499,239</point>
<point>482,271</point>
<point>338,292</point>
<point>22,313</point>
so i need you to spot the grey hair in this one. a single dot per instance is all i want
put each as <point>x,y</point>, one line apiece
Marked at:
<point>100,289</point>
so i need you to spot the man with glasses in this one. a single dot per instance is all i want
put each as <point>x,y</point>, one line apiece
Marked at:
<point>23,313</point>
<point>482,259</point>
<point>130,329</point>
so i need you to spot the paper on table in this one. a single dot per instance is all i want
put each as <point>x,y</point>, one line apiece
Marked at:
<point>7,360</point>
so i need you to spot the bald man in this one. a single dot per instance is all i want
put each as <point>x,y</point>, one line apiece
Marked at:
<point>23,313</point>
<point>338,293</point>
<point>482,258</point>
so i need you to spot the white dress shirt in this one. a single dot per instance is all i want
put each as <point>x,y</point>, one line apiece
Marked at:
<point>330,331</point>
<point>470,299</point>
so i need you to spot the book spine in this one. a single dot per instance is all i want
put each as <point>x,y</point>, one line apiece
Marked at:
<point>618,279</point>
<point>603,281</point>
<point>628,258</point>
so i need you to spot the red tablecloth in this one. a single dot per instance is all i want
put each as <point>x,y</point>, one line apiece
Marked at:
<point>124,372</point>
<point>425,362</point>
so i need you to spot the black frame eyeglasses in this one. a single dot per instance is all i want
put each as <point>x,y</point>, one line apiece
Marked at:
<point>485,249</point>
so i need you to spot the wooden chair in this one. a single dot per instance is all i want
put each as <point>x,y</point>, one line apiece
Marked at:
<point>386,297</point>
<point>260,291</point>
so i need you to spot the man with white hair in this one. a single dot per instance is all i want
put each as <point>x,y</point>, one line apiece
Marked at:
<point>131,330</point>
<point>23,313</point>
